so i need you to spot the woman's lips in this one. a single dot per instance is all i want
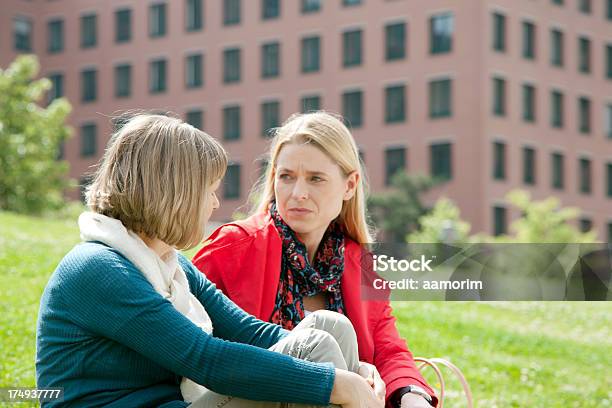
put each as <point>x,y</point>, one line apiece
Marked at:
<point>299,211</point>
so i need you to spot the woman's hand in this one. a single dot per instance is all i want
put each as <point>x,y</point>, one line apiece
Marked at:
<point>370,373</point>
<point>353,391</point>
<point>414,401</point>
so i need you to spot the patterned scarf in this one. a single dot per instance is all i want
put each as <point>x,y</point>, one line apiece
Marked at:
<point>299,279</point>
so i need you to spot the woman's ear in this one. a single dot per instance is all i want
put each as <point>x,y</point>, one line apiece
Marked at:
<point>352,181</point>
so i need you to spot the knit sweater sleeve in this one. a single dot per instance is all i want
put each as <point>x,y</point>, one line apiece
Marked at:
<point>108,296</point>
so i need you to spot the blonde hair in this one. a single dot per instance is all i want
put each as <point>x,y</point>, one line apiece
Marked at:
<point>154,178</point>
<point>327,132</point>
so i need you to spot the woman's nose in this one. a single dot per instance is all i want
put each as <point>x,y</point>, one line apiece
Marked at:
<point>300,190</point>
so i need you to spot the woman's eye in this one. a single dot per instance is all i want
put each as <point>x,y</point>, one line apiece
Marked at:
<point>316,178</point>
<point>284,176</point>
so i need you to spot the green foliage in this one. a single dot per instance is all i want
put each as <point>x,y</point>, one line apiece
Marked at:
<point>396,212</point>
<point>31,178</point>
<point>442,225</point>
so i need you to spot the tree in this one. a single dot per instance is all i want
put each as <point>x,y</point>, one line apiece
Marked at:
<point>397,211</point>
<point>31,177</point>
<point>443,225</point>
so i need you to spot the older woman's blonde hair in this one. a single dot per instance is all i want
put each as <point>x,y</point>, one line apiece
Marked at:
<point>327,132</point>
<point>154,178</point>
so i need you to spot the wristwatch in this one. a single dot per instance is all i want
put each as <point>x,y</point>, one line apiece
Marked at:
<point>412,389</point>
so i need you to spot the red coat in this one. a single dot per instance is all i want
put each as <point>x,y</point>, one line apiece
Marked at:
<point>244,260</point>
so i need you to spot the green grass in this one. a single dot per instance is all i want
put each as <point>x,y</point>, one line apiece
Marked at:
<point>514,354</point>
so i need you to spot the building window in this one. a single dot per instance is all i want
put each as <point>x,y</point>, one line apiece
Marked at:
<point>586,224</point>
<point>608,121</point>
<point>310,103</point>
<point>499,97</point>
<point>231,65</point>
<point>89,85</point>
<point>157,76</point>
<point>609,232</point>
<point>195,118</point>
<point>585,175</point>
<point>556,109</point>
<point>608,61</point>
<point>609,180</point>
<point>529,40</point>
<point>500,223</point>
<point>311,50</point>
<point>311,6</point>
<point>499,161</point>
<point>89,30</point>
<point>558,2</point>
<point>270,9</point>
<point>441,28</point>
<point>123,25</point>
<point>529,103</point>
<point>395,104</point>
<point>123,80</point>
<point>89,136</point>
<point>499,32</point>
<point>609,10</point>
<point>57,87</point>
<point>556,48</point>
<point>270,60</point>
<point>558,171</point>
<point>440,97</point>
<point>193,15</point>
<point>584,55</point>
<point>440,161</point>
<point>231,122</point>
<point>157,20</point>
<point>351,2</point>
<point>395,41</point>
<point>529,166</point>
<point>352,108</point>
<point>231,12</point>
<point>351,48</point>
<point>584,115</point>
<point>193,71</point>
<point>270,118</point>
<point>395,162</point>
<point>231,182</point>
<point>55,36</point>
<point>584,6</point>
<point>22,34</point>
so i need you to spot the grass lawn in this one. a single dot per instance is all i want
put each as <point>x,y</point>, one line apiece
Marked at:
<point>518,354</point>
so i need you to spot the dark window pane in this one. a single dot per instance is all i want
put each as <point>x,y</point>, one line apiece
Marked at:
<point>89,85</point>
<point>608,121</point>
<point>57,87</point>
<point>193,71</point>
<point>499,96</point>
<point>123,80</point>
<point>556,48</point>
<point>231,12</point>
<point>609,9</point>
<point>529,40</point>
<point>584,115</point>
<point>584,6</point>
<point>529,103</point>
<point>55,36</point>
<point>395,41</point>
<point>311,103</point>
<point>157,76</point>
<point>557,109</point>
<point>89,31</point>
<point>500,221</point>
<point>395,104</point>
<point>195,118</point>
<point>440,161</point>
<point>270,9</point>
<point>351,41</point>
<point>586,224</point>
<point>270,117</point>
<point>440,97</point>
<point>352,108</point>
<point>231,122</point>
<point>441,28</point>
<point>609,180</point>
<point>231,65</point>
<point>585,175</point>
<point>123,25</point>
<point>270,57</point>
<point>157,20</point>
<point>193,15</point>
<point>351,2</point>
<point>558,171</point>
<point>608,68</point>
<point>311,49</point>
<point>89,135</point>
<point>584,55</point>
<point>310,6</point>
<point>395,161</point>
<point>499,32</point>
<point>22,34</point>
<point>499,161</point>
<point>529,166</point>
<point>231,182</point>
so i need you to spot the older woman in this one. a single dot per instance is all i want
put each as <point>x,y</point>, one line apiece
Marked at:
<point>125,321</point>
<point>300,250</point>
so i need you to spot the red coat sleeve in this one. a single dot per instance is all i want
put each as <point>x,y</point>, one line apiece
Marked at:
<point>392,358</point>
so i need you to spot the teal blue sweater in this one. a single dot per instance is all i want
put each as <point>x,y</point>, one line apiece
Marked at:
<point>108,338</point>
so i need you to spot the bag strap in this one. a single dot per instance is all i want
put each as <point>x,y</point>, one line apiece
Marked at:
<point>433,363</point>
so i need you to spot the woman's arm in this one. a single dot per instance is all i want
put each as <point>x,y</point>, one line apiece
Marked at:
<point>109,297</point>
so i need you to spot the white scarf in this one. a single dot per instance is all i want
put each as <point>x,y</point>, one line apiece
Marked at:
<point>166,276</point>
